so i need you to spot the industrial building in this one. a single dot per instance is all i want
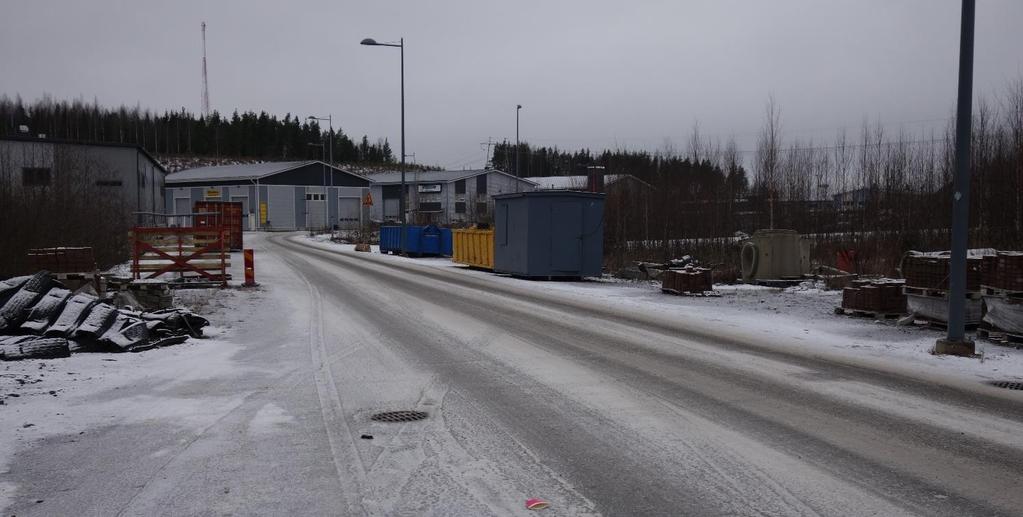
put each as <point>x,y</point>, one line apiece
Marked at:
<point>125,172</point>
<point>275,195</point>
<point>443,197</point>
<point>591,183</point>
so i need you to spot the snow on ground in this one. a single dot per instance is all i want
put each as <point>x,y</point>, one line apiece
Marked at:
<point>802,316</point>
<point>42,398</point>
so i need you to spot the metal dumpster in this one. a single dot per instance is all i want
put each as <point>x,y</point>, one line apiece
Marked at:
<point>474,247</point>
<point>419,240</point>
<point>546,234</point>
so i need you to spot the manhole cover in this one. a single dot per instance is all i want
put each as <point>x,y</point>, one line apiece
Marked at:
<point>398,416</point>
<point>1009,385</point>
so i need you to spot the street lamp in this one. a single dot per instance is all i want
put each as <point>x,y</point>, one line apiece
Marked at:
<point>401,199</point>
<point>326,213</point>
<point>955,341</point>
<point>330,121</point>
<point>518,107</point>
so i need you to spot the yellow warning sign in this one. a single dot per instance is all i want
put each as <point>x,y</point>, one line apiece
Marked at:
<point>262,213</point>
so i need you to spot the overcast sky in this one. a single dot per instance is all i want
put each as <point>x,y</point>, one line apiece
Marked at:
<point>596,74</point>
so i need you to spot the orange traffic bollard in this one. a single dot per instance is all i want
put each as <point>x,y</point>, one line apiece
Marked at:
<point>250,268</point>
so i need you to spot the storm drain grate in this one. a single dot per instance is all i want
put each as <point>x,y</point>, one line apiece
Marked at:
<point>1009,385</point>
<point>398,416</point>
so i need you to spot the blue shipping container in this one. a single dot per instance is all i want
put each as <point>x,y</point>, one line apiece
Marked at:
<point>419,240</point>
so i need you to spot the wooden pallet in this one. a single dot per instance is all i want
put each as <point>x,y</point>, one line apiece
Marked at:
<point>937,293</point>
<point>878,315</point>
<point>987,290</point>
<point>938,324</point>
<point>690,293</point>
<point>1000,337</point>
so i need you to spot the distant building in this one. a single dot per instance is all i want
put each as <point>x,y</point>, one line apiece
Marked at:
<point>584,183</point>
<point>275,195</point>
<point>125,172</point>
<point>443,197</point>
<point>72,193</point>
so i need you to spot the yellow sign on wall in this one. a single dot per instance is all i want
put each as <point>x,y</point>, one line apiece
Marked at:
<point>262,213</point>
<point>212,193</point>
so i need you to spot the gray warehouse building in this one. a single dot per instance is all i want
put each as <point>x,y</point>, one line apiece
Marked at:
<point>443,197</point>
<point>122,171</point>
<point>275,195</point>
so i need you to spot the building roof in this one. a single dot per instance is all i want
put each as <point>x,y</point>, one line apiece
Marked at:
<point>62,141</point>
<point>578,182</point>
<point>240,171</point>
<point>394,177</point>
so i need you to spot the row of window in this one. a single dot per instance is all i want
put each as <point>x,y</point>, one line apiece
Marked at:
<point>481,207</point>
<point>43,177</point>
<point>481,185</point>
<point>315,197</point>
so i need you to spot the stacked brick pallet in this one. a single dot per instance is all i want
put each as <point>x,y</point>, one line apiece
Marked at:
<point>1003,298</point>
<point>691,280</point>
<point>927,287</point>
<point>876,298</point>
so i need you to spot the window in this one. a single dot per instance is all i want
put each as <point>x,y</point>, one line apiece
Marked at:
<point>429,207</point>
<point>108,183</point>
<point>460,206</point>
<point>35,177</point>
<point>460,187</point>
<point>481,184</point>
<point>315,197</point>
<point>481,208</point>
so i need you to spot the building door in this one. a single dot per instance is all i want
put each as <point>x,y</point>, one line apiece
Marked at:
<point>183,207</point>
<point>391,209</point>
<point>315,210</point>
<point>244,200</point>
<point>566,236</point>
<point>349,210</point>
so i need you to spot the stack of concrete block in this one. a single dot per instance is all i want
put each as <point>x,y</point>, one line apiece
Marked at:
<point>691,280</point>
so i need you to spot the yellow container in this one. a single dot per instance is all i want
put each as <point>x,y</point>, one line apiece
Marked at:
<point>473,247</point>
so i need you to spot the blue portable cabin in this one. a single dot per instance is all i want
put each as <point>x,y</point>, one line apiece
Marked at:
<point>545,234</point>
<point>419,240</point>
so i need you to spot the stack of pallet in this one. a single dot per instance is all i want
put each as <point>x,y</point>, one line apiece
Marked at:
<point>926,289</point>
<point>1003,298</point>
<point>878,298</point>
<point>691,280</point>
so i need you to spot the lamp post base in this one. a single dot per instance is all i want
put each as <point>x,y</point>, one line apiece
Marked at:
<point>962,348</point>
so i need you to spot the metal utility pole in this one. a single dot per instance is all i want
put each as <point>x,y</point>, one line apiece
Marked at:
<point>205,81</point>
<point>956,342</point>
<point>326,213</point>
<point>518,107</point>
<point>401,197</point>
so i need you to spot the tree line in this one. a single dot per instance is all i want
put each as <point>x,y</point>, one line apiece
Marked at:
<point>875,190</point>
<point>241,135</point>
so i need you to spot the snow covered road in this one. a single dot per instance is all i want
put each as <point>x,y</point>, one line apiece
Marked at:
<point>530,393</point>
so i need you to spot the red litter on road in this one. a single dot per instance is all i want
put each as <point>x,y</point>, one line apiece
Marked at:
<point>536,504</point>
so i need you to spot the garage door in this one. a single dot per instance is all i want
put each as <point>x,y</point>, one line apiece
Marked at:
<point>348,212</point>
<point>183,205</point>
<point>281,208</point>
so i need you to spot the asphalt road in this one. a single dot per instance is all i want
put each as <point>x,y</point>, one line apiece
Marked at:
<point>529,394</point>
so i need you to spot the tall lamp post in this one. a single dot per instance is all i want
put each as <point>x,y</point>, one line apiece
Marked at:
<point>956,342</point>
<point>326,221</point>
<point>518,107</point>
<point>330,122</point>
<point>401,199</point>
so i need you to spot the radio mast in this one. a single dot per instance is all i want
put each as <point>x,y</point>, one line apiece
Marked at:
<point>205,80</point>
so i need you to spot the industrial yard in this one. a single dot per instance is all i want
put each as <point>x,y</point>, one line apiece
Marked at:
<point>575,258</point>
